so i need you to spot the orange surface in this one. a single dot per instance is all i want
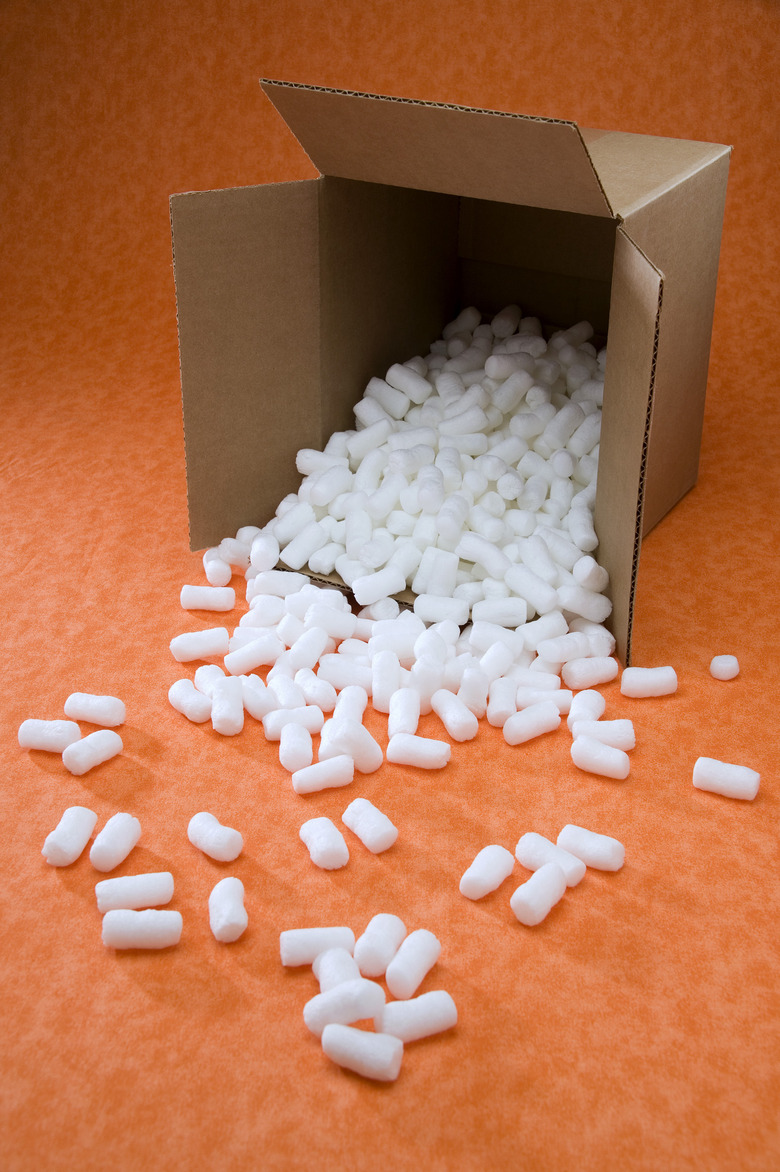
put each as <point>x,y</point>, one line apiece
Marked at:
<point>637,1028</point>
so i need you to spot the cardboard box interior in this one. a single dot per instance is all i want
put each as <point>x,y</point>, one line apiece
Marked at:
<point>291,296</point>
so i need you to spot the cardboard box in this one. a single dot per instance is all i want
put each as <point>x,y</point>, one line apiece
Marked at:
<point>290,296</point>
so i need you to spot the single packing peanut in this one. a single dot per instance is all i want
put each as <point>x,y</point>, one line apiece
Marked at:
<point>71,834</point>
<point>215,840</point>
<point>228,918</point>
<point>114,842</point>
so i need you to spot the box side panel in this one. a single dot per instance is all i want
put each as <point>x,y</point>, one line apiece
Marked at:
<point>556,265</point>
<point>681,234</point>
<point>388,265</point>
<point>246,272</point>
<point>536,161</point>
<point>628,395</point>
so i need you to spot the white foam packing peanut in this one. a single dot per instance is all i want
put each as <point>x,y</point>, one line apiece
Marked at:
<point>123,928</point>
<point>325,844</point>
<point>379,943</point>
<point>534,899</point>
<point>419,1017</point>
<point>91,750</point>
<point>134,891</point>
<point>200,644</point>
<point>618,733</point>
<point>228,917</point>
<point>299,946</point>
<point>215,840</point>
<point>70,836</point>
<point>186,699</point>
<point>372,827</point>
<point>594,756</point>
<point>640,682</point>
<point>721,777</point>
<point>724,667</point>
<point>114,842</point>
<point>414,959</point>
<point>345,1003</point>
<point>330,774</point>
<point>422,752</point>
<point>106,710</point>
<point>596,850</point>
<point>50,735</point>
<point>207,598</point>
<point>372,1055</point>
<point>534,850</point>
<point>492,865</point>
<point>333,966</point>
<point>531,722</point>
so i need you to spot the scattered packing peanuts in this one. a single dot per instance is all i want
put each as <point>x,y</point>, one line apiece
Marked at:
<point>534,850</point>
<point>596,850</point>
<point>724,667</point>
<point>490,868</point>
<point>378,944</point>
<point>732,781</point>
<point>376,1056</point>
<point>593,756</point>
<point>416,956</point>
<point>298,946</point>
<point>141,929</point>
<point>69,837</point>
<point>640,682</point>
<point>372,827</point>
<point>134,891</point>
<point>325,844</point>
<point>228,918</point>
<point>345,1003</point>
<point>91,750</point>
<point>53,736</point>
<point>215,840</point>
<point>419,1017</point>
<point>106,710</point>
<point>114,842</point>
<point>534,899</point>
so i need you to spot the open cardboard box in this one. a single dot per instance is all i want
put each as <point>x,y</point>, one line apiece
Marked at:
<point>290,296</point>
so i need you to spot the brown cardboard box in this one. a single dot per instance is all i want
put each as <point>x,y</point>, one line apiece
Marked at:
<point>291,296</point>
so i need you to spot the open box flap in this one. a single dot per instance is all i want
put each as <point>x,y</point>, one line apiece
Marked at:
<point>247,278</point>
<point>637,289</point>
<point>637,169</point>
<point>539,162</point>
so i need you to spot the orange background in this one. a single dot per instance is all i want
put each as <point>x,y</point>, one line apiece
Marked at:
<point>637,1027</point>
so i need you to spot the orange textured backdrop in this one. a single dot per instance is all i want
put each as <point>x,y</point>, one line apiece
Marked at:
<point>637,1028</point>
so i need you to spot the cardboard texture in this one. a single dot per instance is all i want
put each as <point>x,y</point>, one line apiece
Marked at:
<point>291,296</point>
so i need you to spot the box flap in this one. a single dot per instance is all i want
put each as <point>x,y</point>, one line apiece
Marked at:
<point>540,162</point>
<point>637,289</point>
<point>246,266</point>
<point>635,169</point>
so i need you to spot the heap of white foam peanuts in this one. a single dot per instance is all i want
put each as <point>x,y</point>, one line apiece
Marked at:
<point>470,477</point>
